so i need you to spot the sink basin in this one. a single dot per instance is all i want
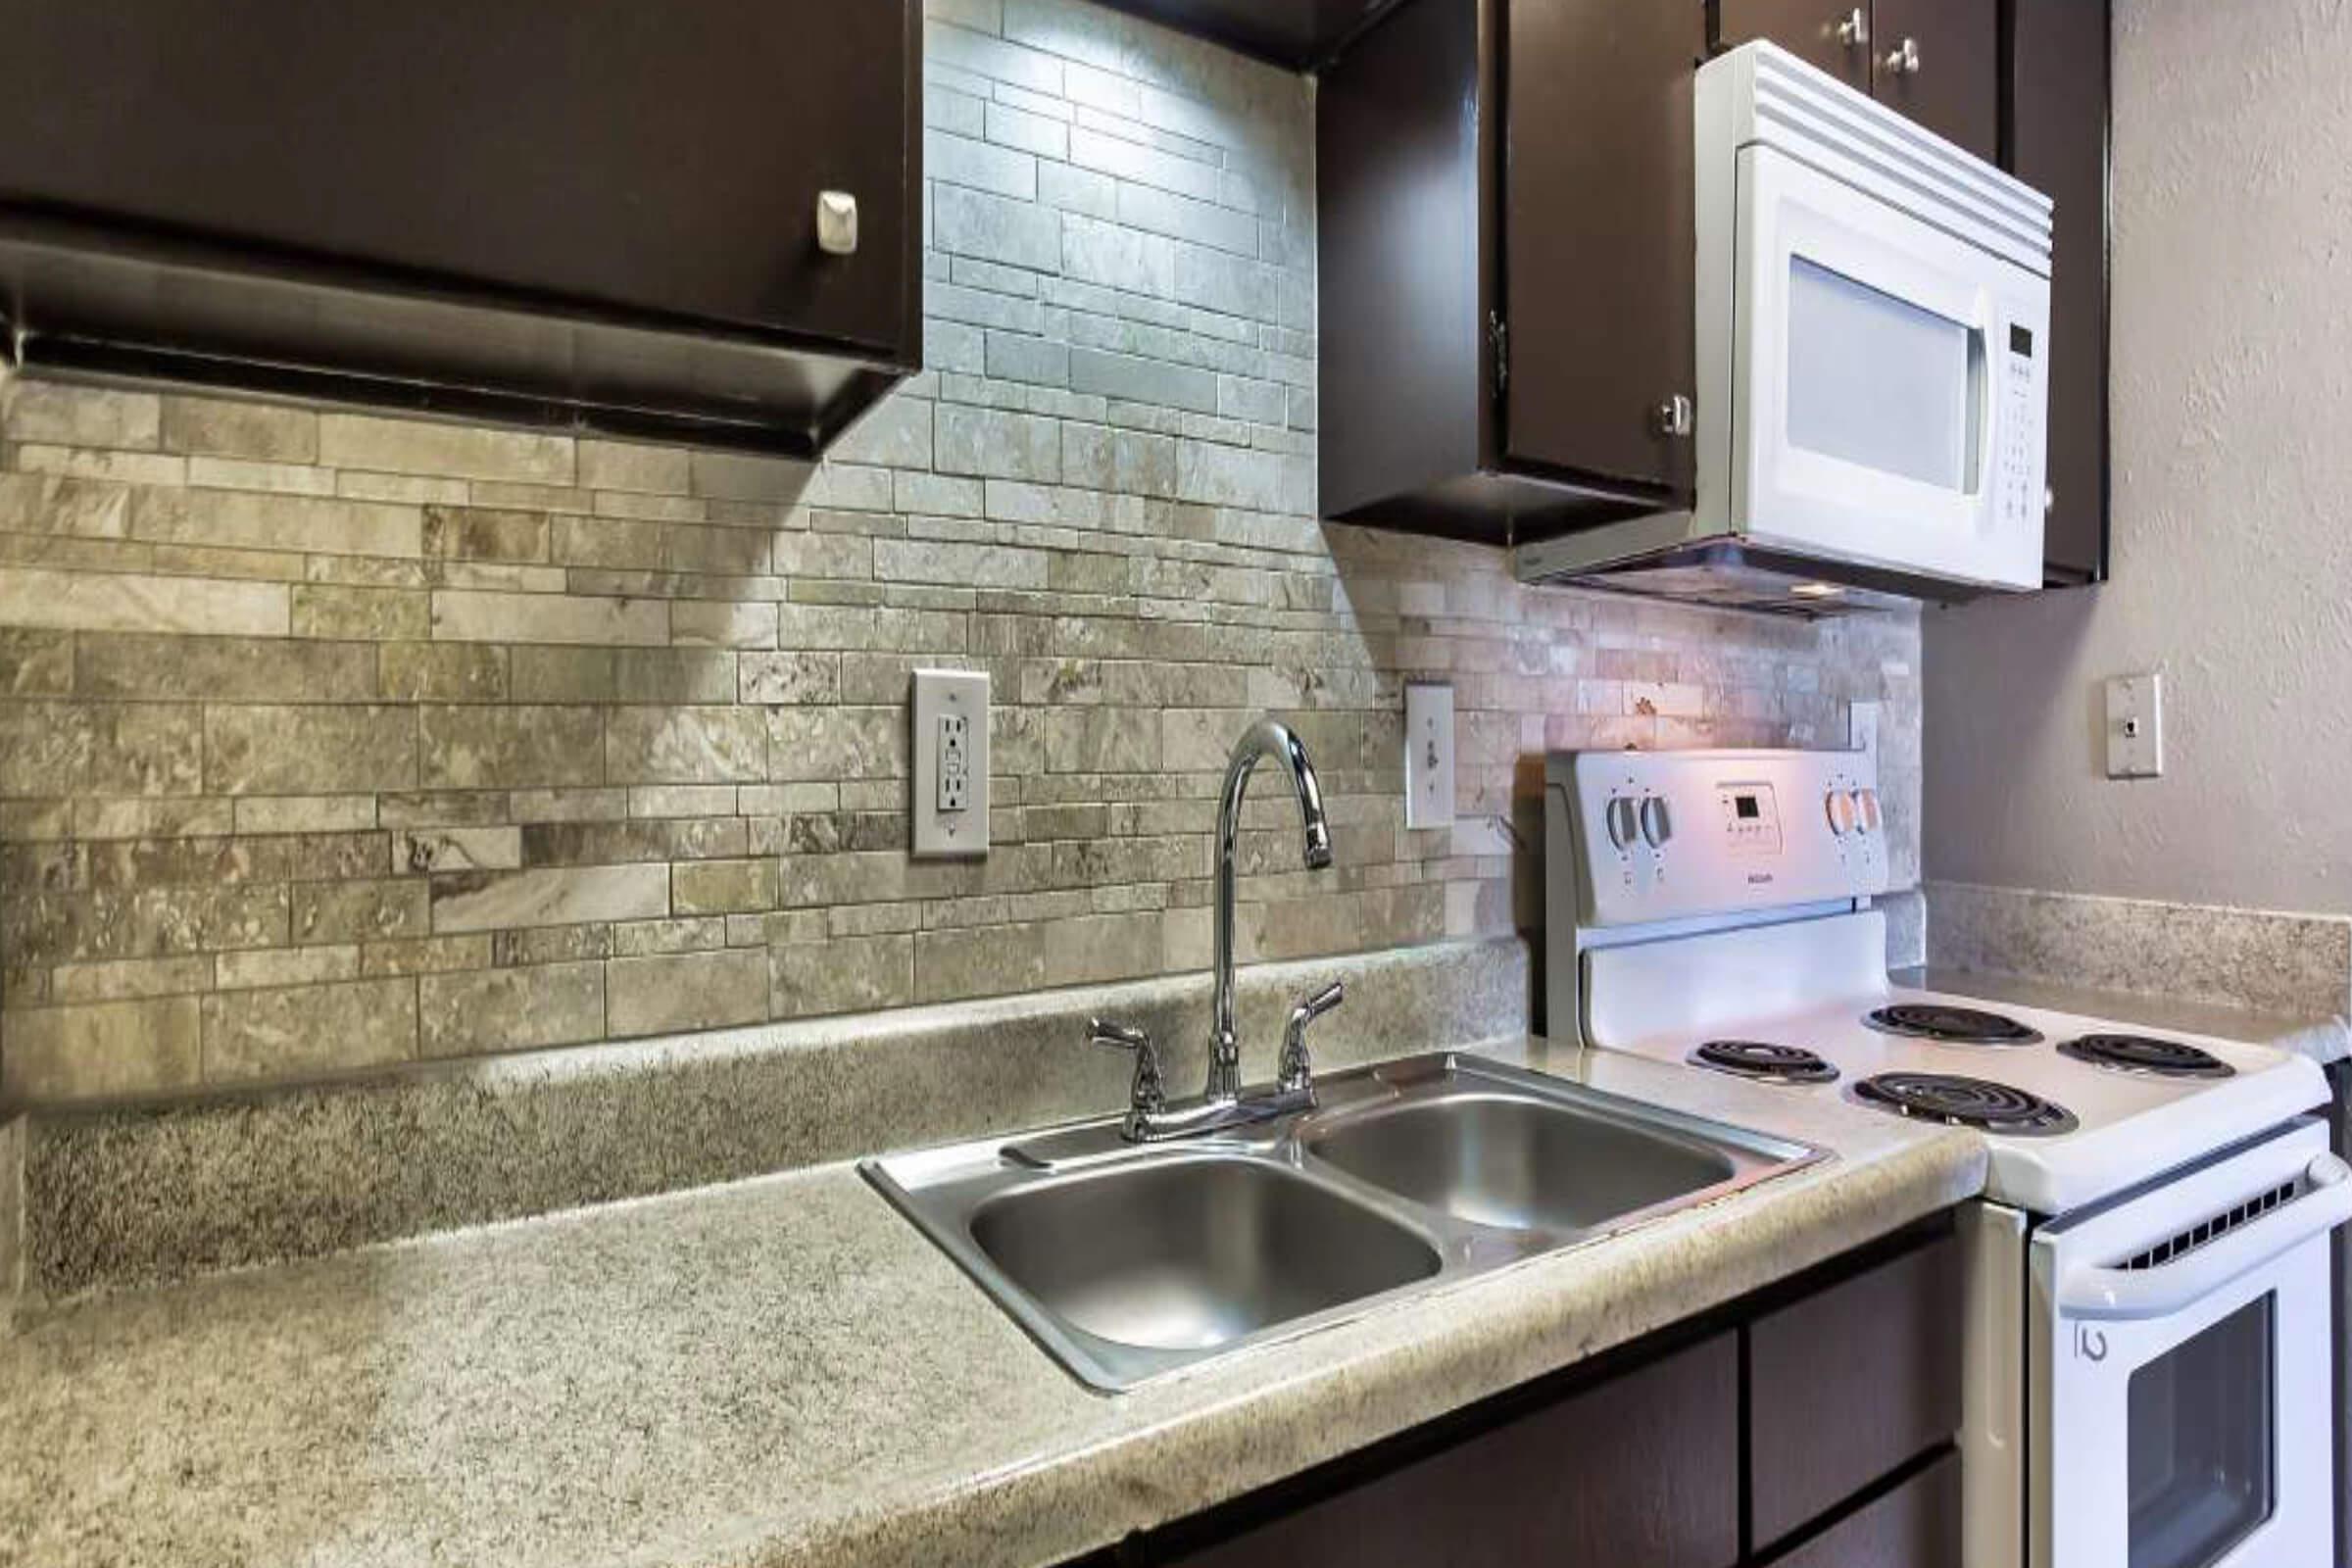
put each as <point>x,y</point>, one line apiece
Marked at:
<point>1128,1262</point>
<point>1518,1163</point>
<point>1191,1253</point>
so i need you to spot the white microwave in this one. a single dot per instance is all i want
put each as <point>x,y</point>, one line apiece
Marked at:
<point>1873,362</point>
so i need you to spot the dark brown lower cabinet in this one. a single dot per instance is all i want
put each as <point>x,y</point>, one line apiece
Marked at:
<point>1917,1525</point>
<point>1810,1426</point>
<point>1643,1469</point>
<point>1850,1383</point>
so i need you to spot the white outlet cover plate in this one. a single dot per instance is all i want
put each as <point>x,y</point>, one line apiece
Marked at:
<point>1428,756</point>
<point>2135,726</point>
<point>941,693</point>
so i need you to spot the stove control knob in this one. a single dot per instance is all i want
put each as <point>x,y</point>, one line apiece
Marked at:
<point>2326,1170</point>
<point>1622,822</point>
<point>1841,806</point>
<point>1866,802</point>
<point>1656,826</point>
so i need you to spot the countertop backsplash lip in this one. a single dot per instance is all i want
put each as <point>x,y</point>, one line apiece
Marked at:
<point>2281,963</point>
<point>304,1172</point>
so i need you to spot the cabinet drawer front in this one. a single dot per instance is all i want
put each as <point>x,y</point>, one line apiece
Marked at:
<point>659,160</point>
<point>1847,1385</point>
<point>1917,1525</point>
<point>1641,1469</point>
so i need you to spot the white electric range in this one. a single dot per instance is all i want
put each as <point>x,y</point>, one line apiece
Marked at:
<point>2148,1358</point>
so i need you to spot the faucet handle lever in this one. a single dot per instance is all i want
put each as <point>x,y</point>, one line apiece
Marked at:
<point>1297,1070</point>
<point>1148,1093</point>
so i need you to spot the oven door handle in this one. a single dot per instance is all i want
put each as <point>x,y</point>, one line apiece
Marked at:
<point>2147,1293</point>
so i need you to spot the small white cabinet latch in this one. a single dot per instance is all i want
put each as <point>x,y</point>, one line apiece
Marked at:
<point>836,222</point>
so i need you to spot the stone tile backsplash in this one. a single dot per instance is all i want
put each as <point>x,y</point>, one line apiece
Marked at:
<point>330,741</point>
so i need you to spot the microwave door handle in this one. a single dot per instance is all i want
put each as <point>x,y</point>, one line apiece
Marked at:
<point>1989,395</point>
<point>2117,1293</point>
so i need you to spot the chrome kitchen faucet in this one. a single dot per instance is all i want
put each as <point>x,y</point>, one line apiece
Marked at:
<point>1150,1117</point>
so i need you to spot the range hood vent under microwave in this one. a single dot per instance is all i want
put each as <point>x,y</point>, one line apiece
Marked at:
<point>1872,365</point>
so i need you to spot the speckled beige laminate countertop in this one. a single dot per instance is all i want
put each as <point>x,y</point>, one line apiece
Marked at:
<point>782,1371</point>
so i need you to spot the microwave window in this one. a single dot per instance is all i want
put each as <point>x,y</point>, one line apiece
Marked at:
<point>1877,381</point>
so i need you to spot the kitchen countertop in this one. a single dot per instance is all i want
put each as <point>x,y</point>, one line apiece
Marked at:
<point>783,1371</point>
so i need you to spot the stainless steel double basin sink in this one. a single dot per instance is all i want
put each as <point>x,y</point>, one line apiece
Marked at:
<point>1127,1261</point>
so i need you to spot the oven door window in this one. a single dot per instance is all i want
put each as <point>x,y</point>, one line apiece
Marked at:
<point>2203,1469</point>
<point>1880,382</point>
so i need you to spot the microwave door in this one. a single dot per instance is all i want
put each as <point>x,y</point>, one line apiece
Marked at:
<point>1875,418</point>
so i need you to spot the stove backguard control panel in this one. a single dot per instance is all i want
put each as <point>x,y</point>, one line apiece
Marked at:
<point>1666,835</point>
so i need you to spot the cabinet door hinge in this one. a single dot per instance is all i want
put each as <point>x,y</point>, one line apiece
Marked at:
<point>1500,337</point>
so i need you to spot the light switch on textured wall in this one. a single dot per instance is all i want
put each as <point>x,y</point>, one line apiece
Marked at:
<point>1428,756</point>
<point>2135,726</point>
<point>950,798</point>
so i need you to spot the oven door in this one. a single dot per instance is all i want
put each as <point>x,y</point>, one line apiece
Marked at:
<point>1889,383</point>
<point>2180,1368</point>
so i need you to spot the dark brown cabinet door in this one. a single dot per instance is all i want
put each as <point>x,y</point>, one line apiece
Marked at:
<point>1817,1433</point>
<point>2058,144</point>
<point>1299,35</point>
<point>1938,61</point>
<point>1917,1525</point>
<point>1821,32</point>
<point>1597,218</point>
<point>1641,1470</point>
<point>661,160</point>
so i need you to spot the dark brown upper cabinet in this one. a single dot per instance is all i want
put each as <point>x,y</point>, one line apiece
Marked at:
<point>1936,60</point>
<point>533,210</point>
<point>1506,240</point>
<point>2056,140</point>
<point>1299,34</point>
<point>1831,37</point>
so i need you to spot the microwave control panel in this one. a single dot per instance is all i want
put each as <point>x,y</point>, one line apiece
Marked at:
<point>2017,466</point>
<point>1667,835</point>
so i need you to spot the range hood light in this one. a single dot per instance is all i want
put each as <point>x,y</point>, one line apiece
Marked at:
<point>1815,590</point>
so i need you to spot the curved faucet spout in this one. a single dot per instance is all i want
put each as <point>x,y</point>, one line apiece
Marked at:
<point>1264,739</point>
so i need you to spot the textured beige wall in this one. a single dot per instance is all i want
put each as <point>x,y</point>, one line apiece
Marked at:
<point>330,741</point>
<point>2233,528</point>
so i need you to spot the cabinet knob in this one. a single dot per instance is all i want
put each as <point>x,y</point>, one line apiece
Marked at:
<point>1673,417</point>
<point>836,222</point>
<point>1904,60</point>
<point>2050,502</point>
<point>1853,29</point>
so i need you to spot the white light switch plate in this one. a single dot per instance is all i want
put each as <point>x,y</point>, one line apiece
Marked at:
<point>2135,726</point>
<point>950,798</point>
<point>1428,756</point>
<point>1862,727</point>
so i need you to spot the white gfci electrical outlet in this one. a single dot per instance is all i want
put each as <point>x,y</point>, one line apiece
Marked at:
<point>950,798</point>
<point>2135,726</point>
<point>955,761</point>
<point>1428,756</point>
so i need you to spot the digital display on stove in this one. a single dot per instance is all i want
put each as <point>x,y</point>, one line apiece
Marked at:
<point>1745,807</point>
